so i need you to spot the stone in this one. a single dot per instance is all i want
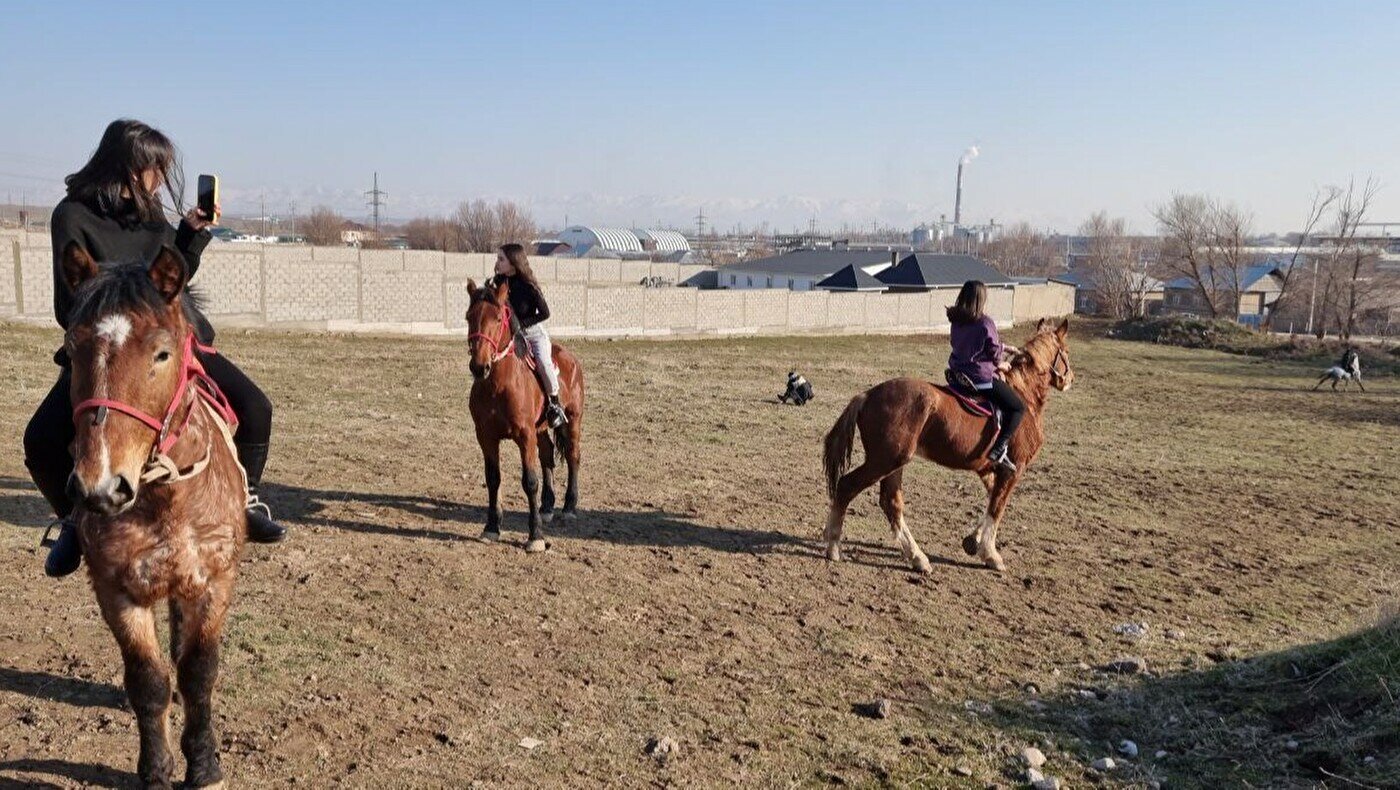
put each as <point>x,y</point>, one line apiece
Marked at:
<point>1032,757</point>
<point>1033,775</point>
<point>1291,745</point>
<point>1175,634</point>
<point>1048,783</point>
<point>1131,631</point>
<point>962,769</point>
<point>1160,753</point>
<point>1128,749</point>
<point>1126,665</point>
<point>1104,764</point>
<point>530,744</point>
<point>875,709</point>
<point>662,746</point>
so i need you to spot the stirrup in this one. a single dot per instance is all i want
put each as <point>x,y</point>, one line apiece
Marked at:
<point>47,542</point>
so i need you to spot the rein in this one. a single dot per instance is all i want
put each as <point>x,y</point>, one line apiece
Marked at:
<point>160,467</point>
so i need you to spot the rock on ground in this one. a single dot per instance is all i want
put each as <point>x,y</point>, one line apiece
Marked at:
<point>1032,757</point>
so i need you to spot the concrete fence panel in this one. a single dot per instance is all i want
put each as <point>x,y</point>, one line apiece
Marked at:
<point>807,309</point>
<point>670,310</point>
<point>719,311</point>
<point>765,309</point>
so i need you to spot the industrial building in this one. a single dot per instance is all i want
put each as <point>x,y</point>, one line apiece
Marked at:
<point>591,242</point>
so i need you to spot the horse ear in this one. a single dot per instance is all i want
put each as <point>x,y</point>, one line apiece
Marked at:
<point>471,288</point>
<point>502,290</point>
<point>168,273</point>
<point>1063,329</point>
<point>78,266</point>
<point>1040,325</point>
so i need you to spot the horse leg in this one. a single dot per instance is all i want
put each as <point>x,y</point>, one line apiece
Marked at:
<point>892,503</point>
<point>987,532</point>
<point>530,481</point>
<point>491,453</point>
<point>573,454</point>
<point>1320,382</point>
<point>970,542</point>
<point>147,681</point>
<point>850,484</point>
<point>196,671</point>
<point>546,478</point>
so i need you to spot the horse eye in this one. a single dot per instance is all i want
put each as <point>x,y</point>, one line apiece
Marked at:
<point>162,356</point>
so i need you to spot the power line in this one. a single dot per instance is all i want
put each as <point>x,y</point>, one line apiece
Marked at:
<point>376,199</point>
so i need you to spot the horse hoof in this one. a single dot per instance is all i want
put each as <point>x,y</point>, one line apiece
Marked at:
<point>923,566</point>
<point>833,553</point>
<point>536,546</point>
<point>995,564</point>
<point>569,515</point>
<point>549,516</point>
<point>489,536</point>
<point>970,545</point>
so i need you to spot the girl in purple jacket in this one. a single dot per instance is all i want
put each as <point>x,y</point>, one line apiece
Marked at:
<point>977,354</point>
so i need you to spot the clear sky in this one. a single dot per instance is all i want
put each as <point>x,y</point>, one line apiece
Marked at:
<point>634,112</point>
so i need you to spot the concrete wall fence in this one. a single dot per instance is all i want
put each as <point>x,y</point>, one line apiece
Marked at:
<point>347,289</point>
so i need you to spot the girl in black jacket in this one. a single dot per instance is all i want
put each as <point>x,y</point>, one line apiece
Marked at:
<point>530,312</point>
<point>113,210</point>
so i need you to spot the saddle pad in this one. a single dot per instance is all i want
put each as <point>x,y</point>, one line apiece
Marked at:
<point>979,406</point>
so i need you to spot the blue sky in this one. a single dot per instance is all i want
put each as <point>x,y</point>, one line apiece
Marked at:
<point>632,112</point>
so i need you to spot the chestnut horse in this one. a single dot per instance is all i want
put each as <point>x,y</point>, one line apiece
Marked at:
<point>904,417</point>
<point>507,402</point>
<point>160,495</point>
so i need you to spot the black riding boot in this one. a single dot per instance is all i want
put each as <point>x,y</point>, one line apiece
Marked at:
<point>554,413</point>
<point>65,551</point>
<point>261,527</point>
<point>1001,455</point>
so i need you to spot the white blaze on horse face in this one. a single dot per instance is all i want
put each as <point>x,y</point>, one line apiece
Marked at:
<point>115,329</point>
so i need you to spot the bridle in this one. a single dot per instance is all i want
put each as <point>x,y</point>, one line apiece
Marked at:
<point>1060,359</point>
<point>503,345</point>
<point>168,432</point>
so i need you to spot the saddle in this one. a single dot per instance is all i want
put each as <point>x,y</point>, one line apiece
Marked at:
<point>961,388</point>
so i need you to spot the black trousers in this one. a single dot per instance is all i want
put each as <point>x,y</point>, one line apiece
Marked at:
<point>50,433</point>
<point>1010,404</point>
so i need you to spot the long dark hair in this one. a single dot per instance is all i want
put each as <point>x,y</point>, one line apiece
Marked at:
<point>971,303</point>
<point>127,149</point>
<point>515,253</point>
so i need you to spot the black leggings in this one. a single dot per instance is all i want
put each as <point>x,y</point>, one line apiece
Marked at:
<point>50,432</point>
<point>1012,409</point>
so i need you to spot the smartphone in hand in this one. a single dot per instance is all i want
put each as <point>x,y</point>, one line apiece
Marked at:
<point>209,197</point>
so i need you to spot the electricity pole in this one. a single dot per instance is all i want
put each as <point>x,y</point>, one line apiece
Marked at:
<point>376,199</point>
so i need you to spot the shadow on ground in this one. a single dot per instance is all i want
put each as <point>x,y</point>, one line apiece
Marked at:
<point>414,516</point>
<point>85,774</point>
<point>1308,716</point>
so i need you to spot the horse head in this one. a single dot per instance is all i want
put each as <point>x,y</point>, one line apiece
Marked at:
<point>488,322</point>
<point>1048,350</point>
<point>127,334</point>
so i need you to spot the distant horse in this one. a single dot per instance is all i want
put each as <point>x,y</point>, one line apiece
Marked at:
<point>1339,375</point>
<point>507,403</point>
<point>905,417</point>
<point>160,495</point>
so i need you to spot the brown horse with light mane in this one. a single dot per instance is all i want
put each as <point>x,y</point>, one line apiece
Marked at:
<point>904,417</point>
<point>507,403</point>
<point>160,495</point>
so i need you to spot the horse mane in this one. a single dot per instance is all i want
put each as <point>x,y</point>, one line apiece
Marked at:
<point>124,288</point>
<point>1030,366</point>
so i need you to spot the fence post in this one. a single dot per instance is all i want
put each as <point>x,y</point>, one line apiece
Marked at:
<point>262,283</point>
<point>19,279</point>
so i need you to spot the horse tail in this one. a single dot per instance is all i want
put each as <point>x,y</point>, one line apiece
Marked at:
<point>836,457</point>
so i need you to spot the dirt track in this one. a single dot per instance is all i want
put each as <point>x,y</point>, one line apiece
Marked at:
<point>383,646</point>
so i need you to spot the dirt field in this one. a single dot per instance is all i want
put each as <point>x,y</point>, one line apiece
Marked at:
<point>1209,496</point>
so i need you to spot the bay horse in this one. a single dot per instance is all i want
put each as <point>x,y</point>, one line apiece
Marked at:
<point>507,403</point>
<point>159,493</point>
<point>905,417</point>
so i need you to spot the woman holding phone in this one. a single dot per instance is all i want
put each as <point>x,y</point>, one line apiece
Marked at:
<point>114,211</point>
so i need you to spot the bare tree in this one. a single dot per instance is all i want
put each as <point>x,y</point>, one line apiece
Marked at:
<point>1207,243</point>
<point>432,233</point>
<point>1353,263</point>
<point>323,226</point>
<point>512,224</point>
<point>1322,200</point>
<point>1117,265</point>
<point>1021,251</point>
<point>475,224</point>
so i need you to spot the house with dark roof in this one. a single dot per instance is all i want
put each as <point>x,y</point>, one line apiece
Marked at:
<point>1147,293</point>
<point>1259,287</point>
<point>851,278</point>
<point>803,269</point>
<point>927,271</point>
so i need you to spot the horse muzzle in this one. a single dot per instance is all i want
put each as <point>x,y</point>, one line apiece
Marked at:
<point>480,371</point>
<point>109,497</point>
